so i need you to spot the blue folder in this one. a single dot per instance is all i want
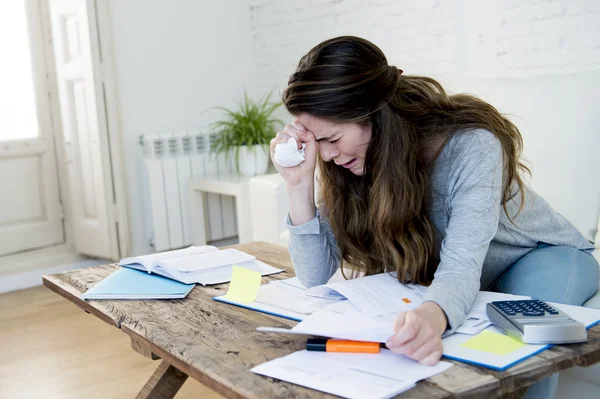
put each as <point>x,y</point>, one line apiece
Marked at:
<point>127,283</point>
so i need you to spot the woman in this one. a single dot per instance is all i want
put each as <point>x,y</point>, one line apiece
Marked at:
<point>425,184</point>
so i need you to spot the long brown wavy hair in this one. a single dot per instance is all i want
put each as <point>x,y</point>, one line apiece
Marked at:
<point>379,219</point>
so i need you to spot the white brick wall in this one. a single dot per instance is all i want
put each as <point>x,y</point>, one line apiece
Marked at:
<point>438,38</point>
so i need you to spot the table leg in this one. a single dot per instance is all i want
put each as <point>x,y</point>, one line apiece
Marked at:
<point>198,219</point>
<point>164,383</point>
<point>143,349</point>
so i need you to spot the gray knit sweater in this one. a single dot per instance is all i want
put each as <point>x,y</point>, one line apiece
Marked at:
<point>476,240</point>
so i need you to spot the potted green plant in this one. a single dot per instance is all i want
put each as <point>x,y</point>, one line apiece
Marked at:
<point>245,134</point>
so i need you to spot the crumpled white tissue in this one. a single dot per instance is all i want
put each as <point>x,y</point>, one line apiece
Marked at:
<point>288,155</point>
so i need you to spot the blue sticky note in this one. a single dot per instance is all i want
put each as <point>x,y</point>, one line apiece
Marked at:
<point>127,283</point>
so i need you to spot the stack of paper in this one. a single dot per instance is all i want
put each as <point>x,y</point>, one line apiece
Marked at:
<point>364,309</point>
<point>489,348</point>
<point>204,265</point>
<point>351,375</point>
<point>378,298</point>
<point>282,298</point>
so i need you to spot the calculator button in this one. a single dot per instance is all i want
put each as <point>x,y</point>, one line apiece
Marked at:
<point>533,313</point>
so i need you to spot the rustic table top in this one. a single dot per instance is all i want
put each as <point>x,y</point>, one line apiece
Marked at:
<point>217,344</point>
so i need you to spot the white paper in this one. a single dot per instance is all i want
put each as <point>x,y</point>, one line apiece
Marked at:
<point>269,309</point>
<point>225,257</point>
<point>473,325</point>
<point>586,316</point>
<point>477,319</point>
<point>375,295</point>
<point>350,375</point>
<point>288,155</point>
<point>286,299</point>
<point>478,310</point>
<point>148,259</point>
<point>291,299</point>
<point>223,274</point>
<point>330,324</point>
<point>278,330</point>
<point>293,282</point>
<point>346,308</point>
<point>323,291</point>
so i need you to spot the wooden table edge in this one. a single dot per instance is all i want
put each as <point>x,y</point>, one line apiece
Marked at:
<point>182,366</point>
<point>80,303</point>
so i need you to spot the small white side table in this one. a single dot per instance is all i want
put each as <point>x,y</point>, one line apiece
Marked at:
<point>235,185</point>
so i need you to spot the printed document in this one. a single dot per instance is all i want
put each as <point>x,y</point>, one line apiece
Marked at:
<point>351,375</point>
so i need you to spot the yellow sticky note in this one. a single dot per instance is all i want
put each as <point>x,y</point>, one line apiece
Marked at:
<point>491,342</point>
<point>244,285</point>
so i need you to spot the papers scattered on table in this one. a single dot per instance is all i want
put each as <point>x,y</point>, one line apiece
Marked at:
<point>374,295</point>
<point>364,309</point>
<point>205,265</point>
<point>334,325</point>
<point>350,375</point>
<point>291,299</point>
<point>283,298</point>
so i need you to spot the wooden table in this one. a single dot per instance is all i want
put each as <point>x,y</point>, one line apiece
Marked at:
<point>217,344</point>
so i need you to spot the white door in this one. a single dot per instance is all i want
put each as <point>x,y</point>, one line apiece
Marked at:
<point>84,127</point>
<point>30,210</point>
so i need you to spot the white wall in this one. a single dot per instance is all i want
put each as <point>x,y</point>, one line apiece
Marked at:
<point>176,59</point>
<point>535,59</point>
<point>440,38</point>
<point>173,60</point>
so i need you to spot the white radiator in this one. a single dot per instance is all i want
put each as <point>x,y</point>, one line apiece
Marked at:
<point>168,162</point>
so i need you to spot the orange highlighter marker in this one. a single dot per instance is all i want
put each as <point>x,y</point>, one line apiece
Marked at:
<point>341,345</point>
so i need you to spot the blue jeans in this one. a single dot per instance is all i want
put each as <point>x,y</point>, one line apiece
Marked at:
<point>554,274</point>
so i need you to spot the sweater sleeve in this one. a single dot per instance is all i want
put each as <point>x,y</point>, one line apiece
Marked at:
<point>475,194</point>
<point>313,249</point>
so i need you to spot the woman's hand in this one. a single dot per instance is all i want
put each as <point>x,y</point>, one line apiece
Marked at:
<point>305,171</point>
<point>418,334</point>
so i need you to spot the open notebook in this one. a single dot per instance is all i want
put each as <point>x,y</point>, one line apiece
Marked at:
<point>205,265</point>
<point>133,284</point>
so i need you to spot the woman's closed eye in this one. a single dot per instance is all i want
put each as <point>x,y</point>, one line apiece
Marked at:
<point>334,141</point>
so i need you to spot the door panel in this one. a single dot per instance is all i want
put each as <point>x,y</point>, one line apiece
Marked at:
<point>30,210</point>
<point>87,160</point>
<point>30,213</point>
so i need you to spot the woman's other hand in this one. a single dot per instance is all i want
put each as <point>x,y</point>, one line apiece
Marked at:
<point>418,334</point>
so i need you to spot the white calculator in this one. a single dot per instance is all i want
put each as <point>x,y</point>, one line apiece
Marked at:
<point>535,322</point>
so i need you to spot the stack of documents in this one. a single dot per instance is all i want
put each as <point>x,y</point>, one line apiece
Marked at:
<point>282,298</point>
<point>365,317</point>
<point>205,265</point>
<point>364,309</point>
<point>351,375</point>
<point>379,298</point>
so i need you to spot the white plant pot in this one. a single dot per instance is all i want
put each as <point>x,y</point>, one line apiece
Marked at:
<point>253,160</point>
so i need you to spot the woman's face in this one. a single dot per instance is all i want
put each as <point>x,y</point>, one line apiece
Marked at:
<point>343,143</point>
